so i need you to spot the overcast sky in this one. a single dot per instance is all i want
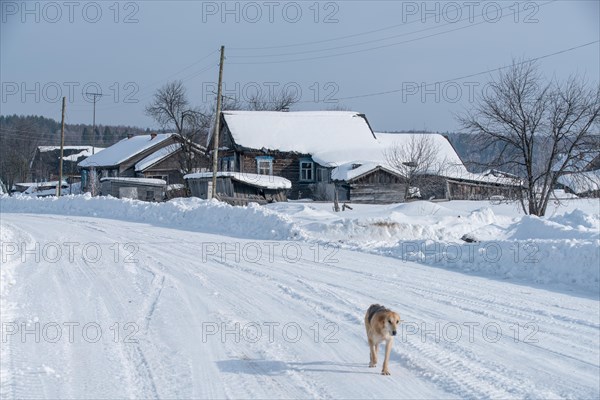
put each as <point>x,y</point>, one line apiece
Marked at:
<point>331,53</point>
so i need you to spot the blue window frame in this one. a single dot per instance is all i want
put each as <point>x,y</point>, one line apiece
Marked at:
<point>228,163</point>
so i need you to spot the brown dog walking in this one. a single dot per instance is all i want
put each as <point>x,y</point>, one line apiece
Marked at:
<point>382,325</point>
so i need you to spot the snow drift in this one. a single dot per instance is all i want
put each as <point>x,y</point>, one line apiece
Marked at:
<point>562,249</point>
<point>209,216</point>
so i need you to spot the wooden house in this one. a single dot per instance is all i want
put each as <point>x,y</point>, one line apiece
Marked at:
<point>45,163</point>
<point>325,154</point>
<point>302,147</point>
<point>446,176</point>
<point>155,156</point>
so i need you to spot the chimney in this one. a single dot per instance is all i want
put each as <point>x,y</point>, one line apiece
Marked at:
<point>152,135</point>
<point>129,135</point>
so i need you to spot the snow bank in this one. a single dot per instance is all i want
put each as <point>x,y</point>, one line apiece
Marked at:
<point>193,214</point>
<point>561,249</point>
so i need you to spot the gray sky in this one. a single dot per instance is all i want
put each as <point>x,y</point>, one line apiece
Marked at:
<point>329,52</point>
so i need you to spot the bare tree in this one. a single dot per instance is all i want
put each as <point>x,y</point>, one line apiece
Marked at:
<point>541,127</point>
<point>338,107</point>
<point>171,109</point>
<point>279,101</point>
<point>418,160</point>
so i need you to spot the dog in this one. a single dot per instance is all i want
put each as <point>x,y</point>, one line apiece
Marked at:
<point>382,325</point>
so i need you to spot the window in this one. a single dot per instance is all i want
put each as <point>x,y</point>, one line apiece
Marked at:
<point>228,164</point>
<point>306,170</point>
<point>163,177</point>
<point>264,165</point>
<point>322,174</point>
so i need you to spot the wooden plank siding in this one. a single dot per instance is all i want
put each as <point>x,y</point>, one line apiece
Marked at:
<point>464,190</point>
<point>142,191</point>
<point>285,164</point>
<point>378,186</point>
<point>235,192</point>
<point>169,168</point>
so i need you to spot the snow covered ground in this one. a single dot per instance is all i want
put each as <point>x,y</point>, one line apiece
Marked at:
<point>106,298</point>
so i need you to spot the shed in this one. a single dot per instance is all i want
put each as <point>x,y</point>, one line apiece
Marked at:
<point>368,182</point>
<point>146,189</point>
<point>238,188</point>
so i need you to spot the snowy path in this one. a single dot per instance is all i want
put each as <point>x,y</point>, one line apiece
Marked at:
<point>180,294</point>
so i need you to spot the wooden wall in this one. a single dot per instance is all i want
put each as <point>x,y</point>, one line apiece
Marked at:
<point>286,165</point>
<point>235,192</point>
<point>377,187</point>
<point>459,190</point>
<point>137,191</point>
<point>168,167</point>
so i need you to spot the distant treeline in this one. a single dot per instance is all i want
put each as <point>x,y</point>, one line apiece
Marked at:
<point>46,131</point>
<point>21,135</point>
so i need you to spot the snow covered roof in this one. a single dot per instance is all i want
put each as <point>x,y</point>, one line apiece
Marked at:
<point>262,181</point>
<point>84,153</point>
<point>581,182</point>
<point>44,149</point>
<point>353,170</point>
<point>447,164</point>
<point>157,156</point>
<point>446,155</point>
<point>39,184</point>
<point>124,150</point>
<point>330,137</point>
<point>141,181</point>
<point>579,162</point>
<point>374,155</point>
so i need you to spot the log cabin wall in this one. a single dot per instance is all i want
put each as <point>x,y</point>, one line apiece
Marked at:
<point>378,186</point>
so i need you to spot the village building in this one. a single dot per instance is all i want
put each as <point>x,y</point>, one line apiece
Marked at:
<point>44,165</point>
<point>582,176</point>
<point>40,189</point>
<point>302,147</point>
<point>155,156</point>
<point>146,189</point>
<point>335,154</point>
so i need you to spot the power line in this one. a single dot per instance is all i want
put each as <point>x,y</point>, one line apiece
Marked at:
<point>138,100</point>
<point>389,37</point>
<point>474,74</point>
<point>350,36</point>
<point>355,51</point>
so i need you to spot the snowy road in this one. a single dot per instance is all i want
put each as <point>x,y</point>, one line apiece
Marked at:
<point>152,312</point>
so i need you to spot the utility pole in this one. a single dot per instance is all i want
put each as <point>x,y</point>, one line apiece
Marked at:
<point>94,121</point>
<point>62,147</point>
<point>93,170</point>
<point>217,128</point>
